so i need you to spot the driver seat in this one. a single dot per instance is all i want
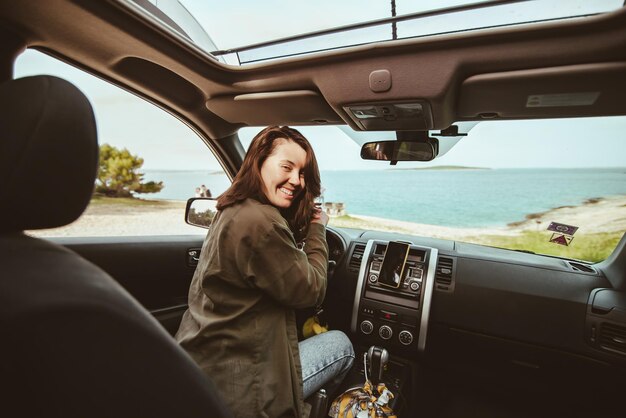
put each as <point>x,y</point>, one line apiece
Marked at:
<point>74,342</point>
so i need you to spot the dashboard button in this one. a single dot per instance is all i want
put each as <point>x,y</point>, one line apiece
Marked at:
<point>367,327</point>
<point>415,286</point>
<point>417,273</point>
<point>373,278</point>
<point>385,332</point>
<point>367,311</point>
<point>405,337</point>
<point>389,316</point>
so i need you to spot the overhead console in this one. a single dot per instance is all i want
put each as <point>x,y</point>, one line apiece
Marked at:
<point>393,294</point>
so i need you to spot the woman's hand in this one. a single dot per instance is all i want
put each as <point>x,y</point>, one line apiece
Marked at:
<point>319,216</point>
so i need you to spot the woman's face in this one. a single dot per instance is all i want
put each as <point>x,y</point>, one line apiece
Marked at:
<point>283,173</point>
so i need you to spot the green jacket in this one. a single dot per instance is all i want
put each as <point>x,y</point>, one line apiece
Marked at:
<point>240,326</point>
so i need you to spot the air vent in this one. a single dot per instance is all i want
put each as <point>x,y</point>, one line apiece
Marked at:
<point>613,338</point>
<point>581,267</point>
<point>357,256</point>
<point>444,274</point>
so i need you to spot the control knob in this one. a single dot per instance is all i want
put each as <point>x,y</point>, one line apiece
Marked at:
<point>414,285</point>
<point>373,278</point>
<point>405,337</point>
<point>367,327</point>
<point>385,332</point>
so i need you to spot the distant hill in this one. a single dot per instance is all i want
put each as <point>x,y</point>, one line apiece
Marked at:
<point>443,167</point>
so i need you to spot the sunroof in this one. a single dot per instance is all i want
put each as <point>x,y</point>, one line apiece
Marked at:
<point>250,31</point>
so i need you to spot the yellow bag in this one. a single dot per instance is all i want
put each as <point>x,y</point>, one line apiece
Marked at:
<point>315,325</point>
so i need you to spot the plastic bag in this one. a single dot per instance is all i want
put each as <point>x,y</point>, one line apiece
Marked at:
<point>363,402</point>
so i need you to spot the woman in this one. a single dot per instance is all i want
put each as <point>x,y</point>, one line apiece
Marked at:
<point>240,326</point>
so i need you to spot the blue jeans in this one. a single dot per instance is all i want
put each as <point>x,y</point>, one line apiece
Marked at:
<point>326,359</point>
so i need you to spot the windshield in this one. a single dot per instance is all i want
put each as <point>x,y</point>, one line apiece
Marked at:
<point>230,30</point>
<point>555,187</point>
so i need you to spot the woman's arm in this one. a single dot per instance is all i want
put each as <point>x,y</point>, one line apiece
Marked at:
<point>295,278</point>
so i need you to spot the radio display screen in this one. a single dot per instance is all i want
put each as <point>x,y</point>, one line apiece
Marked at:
<point>392,270</point>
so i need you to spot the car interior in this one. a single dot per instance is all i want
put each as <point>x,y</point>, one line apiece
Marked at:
<point>467,331</point>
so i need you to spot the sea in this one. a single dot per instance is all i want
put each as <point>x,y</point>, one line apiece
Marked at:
<point>456,198</point>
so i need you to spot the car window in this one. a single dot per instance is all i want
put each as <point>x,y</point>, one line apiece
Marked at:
<point>170,161</point>
<point>555,187</point>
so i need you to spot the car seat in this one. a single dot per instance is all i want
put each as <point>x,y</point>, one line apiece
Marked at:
<point>74,343</point>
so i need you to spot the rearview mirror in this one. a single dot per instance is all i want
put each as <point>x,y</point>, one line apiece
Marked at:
<point>200,211</point>
<point>400,150</point>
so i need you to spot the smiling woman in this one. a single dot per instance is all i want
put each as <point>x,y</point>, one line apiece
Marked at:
<point>280,168</point>
<point>282,173</point>
<point>252,274</point>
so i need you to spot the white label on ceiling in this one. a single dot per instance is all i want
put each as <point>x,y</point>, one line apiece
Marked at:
<point>564,99</point>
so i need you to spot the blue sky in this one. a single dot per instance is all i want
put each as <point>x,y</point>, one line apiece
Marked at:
<point>165,143</point>
<point>244,22</point>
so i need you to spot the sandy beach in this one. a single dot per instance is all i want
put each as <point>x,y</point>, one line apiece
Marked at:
<point>111,219</point>
<point>167,218</point>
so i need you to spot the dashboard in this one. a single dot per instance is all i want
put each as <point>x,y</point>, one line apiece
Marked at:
<point>474,295</point>
<point>464,320</point>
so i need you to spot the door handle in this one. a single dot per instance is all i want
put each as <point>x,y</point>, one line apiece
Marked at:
<point>193,256</point>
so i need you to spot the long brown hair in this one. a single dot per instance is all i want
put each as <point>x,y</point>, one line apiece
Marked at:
<point>249,184</point>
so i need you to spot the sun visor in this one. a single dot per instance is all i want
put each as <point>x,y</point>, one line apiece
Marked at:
<point>575,90</point>
<point>296,107</point>
<point>403,116</point>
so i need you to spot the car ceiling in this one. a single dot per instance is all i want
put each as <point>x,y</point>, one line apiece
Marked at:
<point>486,74</point>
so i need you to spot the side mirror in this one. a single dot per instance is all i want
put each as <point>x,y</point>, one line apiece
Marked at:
<point>401,150</point>
<point>200,211</point>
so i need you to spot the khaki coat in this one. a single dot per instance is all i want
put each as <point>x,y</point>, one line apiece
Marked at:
<point>240,326</point>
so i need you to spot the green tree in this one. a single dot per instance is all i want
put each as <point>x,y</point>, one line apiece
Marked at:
<point>201,218</point>
<point>119,176</point>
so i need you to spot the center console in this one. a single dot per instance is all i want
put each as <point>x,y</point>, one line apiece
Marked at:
<point>393,294</point>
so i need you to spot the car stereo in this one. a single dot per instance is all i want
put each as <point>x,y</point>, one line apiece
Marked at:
<point>393,293</point>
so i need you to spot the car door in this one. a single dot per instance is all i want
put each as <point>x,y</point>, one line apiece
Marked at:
<point>156,270</point>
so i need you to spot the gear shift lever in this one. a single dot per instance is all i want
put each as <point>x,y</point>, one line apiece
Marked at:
<point>377,358</point>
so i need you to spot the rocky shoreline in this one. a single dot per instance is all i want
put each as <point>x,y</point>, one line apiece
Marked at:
<point>593,216</point>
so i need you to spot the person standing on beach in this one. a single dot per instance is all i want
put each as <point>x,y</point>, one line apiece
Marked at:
<point>240,326</point>
<point>203,191</point>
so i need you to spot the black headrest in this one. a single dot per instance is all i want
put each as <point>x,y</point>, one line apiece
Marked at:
<point>48,153</point>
